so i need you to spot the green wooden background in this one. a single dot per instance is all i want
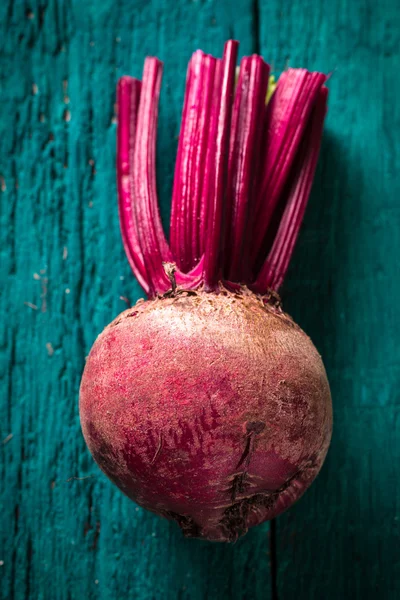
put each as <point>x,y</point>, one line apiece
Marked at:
<point>66,533</point>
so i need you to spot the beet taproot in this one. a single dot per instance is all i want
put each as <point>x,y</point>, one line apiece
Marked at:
<point>213,410</point>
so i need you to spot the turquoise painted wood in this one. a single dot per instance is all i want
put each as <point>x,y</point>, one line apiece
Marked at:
<point>65,532</point>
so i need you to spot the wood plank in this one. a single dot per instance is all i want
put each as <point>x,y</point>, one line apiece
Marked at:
<point>341,540</point>
<point>65,532</point>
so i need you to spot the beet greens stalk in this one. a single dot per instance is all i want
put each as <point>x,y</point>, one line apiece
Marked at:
<point>207,404</point>
<point>239,161</point>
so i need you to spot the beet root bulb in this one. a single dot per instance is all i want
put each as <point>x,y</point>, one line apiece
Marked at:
<point>207,404</point>
<point>210,409</point>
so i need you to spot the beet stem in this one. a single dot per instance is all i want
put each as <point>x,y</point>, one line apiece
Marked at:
<point>275,267</point>
<point>287,117</point>
<point>152,240</point>
<point>190,164</point>
<point>244,149</point>
<point>217,166</point>
<point>243,175</point>
<point>199,200</point>
<point>177,200</point>
<point>128,95</point>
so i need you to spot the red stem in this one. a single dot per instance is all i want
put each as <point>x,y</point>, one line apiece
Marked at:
<point>197,242</point>
<point>128,95</point>
<point>287,117</point>
<point>216,173</point>
<point>190,164</point>
<point>177,207</point>
<point>223,216</point>
<point>251,91</point>
<point>152,240</point>
<point>275,267</point>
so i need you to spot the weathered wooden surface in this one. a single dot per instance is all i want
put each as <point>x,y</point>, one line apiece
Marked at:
<point>66,533</point>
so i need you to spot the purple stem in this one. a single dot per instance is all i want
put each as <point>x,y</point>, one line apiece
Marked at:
<point>216,170</point>
<point>287,116</point>
<point>152,240</point>
<point>251,91</point>
<point>275,267</point>
<point>221,211</point>
<point>190,164</point>
<point>128,98</point>
<point>177,207</point>
<point>128,95</point>
<point>195,238</point>
<point>210,157</point>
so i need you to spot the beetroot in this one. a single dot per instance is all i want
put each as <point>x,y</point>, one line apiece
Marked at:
<point>207,404</point>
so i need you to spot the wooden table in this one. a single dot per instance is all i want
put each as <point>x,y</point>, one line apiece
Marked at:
<point>66,532</point>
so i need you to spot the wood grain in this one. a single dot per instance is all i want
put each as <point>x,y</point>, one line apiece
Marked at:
<point>65,532</point>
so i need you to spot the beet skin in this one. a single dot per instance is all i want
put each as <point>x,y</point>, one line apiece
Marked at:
<point>210,409</point>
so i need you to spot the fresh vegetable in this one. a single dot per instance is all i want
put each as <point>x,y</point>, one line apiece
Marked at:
<point>207,404</point>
